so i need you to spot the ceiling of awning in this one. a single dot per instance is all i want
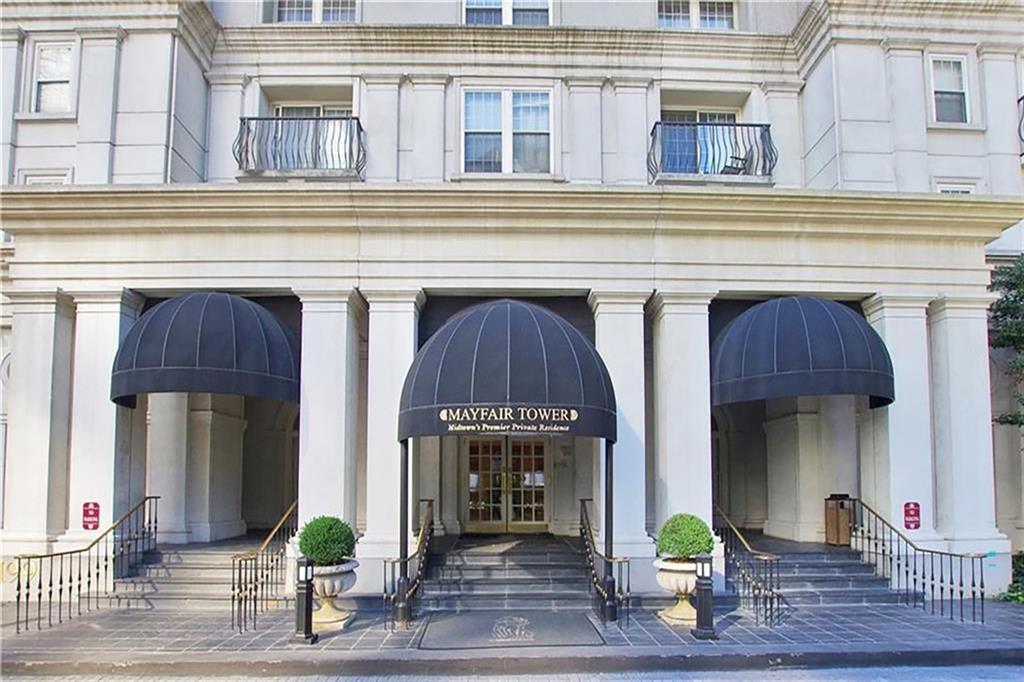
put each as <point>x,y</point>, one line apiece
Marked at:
<point>507,366</point>
<point>799,346</point>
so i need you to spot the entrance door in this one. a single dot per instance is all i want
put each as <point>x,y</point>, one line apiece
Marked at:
<point>506,486</point>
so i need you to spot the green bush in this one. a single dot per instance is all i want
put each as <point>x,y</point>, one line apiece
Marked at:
<point>1015,592</point>
<point>685,535</point>
<point>326,540</point>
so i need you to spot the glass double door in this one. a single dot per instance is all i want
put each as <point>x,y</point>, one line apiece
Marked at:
<point>506,485</point>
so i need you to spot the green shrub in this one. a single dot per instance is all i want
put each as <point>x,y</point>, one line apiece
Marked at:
<point>1015,592</point>
<point>326,540</point>
<point>685,535</point>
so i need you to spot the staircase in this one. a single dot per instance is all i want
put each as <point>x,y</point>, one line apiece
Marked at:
<point>504,572</point>
<point>194,577</point>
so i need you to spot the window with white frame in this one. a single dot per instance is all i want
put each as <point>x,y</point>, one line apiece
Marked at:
<point>51,78</point>
<point>696,141</point>
<point>44,177</point>
<point>949,89</point>
<point>954,188</point>
<point>508,12</point>
<point>315,11</point>
<point>507,131</point>
<point>696,13</point>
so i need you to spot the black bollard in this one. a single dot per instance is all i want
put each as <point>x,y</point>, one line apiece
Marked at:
<point>304,600</point>
<point>705,601</point>
<point>609,607</point>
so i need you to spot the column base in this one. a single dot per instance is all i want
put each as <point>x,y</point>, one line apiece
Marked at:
<point>381,546</point>
<point>636,546</point>
<point>218,530</point>
<point>27,542</point>
<point>795,531</point>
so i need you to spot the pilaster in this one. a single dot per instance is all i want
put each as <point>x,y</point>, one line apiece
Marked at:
<point>584,130</point>
<point>380,119</point>
<point>427,127</point>
<point>631,131</point>
<point>12,41</point>
<point>997,67</point>
<point>908,102</point>
<point>227,93</point>
<point>97,90</point>
<point>783,101</point>
<point>167,450</point>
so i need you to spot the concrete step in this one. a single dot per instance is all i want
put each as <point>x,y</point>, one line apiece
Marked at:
<point>507,560</point>
<point>491,603</point>
<point>815,582</point>
<point>577,571</point>
<point>501,589</point>
<point>819,557</point>
<point>823,567</point>
<point>184,588</point>
<point>183,571</point>
<point>836,596</point>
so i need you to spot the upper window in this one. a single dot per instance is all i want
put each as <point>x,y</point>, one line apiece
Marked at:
<point>949,89</point>
<point>51,81</point>
<point>507,131</point>
<point>308,11</point>
<point>514,12</point>
<point>695,13</point>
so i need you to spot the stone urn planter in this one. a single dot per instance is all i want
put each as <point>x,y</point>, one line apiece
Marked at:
<point>329,582</point>
<point>678,577</point>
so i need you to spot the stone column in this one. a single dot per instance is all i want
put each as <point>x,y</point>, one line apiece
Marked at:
<point>394,316</point>
<point>896,441</point>
<point>795,494</point>
<point>167,463</point>
<point>428,94</point>
<point>997,65</point>
<point>619,332</point>
<point>214,479</point>
<point>961,401</point>
<point>682,404</point>
<point>329,403</point>
<point>379,116</point>
<point>783,100</point>
<point>584,138</point>
<point>39,416</point>
<point>97,93</point>
<point>11,43</point>
<point>451,484</point>
<point>905,66</point>
<point>227,93</point>
<point>101,432</point>
<point>631,132</point>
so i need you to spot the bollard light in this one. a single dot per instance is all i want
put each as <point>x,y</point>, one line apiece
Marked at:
<point>705,599</point>
<point>304,600</point>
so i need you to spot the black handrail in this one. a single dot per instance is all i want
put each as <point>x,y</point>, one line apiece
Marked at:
<point>259,576</point>
<point>65,580</point>
<point>753,574</point>
<point>597,564</point>
<point>418,559</point>
<point>679,149</point>
<point>321,143</point>
<point>923,577</point>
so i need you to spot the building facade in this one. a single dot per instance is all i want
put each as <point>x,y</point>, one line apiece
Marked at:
<point>366,169</point>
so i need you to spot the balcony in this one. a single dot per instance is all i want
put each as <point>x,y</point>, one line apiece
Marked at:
<point>323,147</point>
<point>719,152</point>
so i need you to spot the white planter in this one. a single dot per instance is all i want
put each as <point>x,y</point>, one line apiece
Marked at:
<point>678,577</point>
<point>328,583</point>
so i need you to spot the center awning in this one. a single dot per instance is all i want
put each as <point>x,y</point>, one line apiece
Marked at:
<point>503,367</point>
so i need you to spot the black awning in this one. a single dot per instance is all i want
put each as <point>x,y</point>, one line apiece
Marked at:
<point>799,345</point>
<point>507,367</point>
<point>207,343</point>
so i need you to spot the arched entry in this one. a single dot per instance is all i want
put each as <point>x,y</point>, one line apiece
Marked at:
<point>506,368</point>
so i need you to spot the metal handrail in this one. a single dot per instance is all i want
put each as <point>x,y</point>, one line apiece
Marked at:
<point>259,575</point>
<point>596,564</point>
<point>1020,124</point>
<point>684,148</point>
<point>753,573</point>
<point>392,565</point>
<point>110,555</point>
<point>922,576</point>
<point>334,144</point>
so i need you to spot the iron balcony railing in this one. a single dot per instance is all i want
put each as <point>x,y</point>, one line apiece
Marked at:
<point>330,145</point>
<point>258,577</point>
<point>752,574</point>
<point>679,149</point>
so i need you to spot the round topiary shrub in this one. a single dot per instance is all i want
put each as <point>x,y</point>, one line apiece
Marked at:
<point>685,535</point>
<point>326,541</point>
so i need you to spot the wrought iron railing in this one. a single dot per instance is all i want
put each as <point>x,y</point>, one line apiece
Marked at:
<point>679,149</point>
<point>335,145</point>
<point>753,574</point>
<point>258,577</point>
<point>416,565</point>
<point>932,579</point>
<point>62,584</point>
<point>598,565</point>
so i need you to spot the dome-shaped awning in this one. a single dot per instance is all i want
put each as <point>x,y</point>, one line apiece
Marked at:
<point>507,367</point>
<point>207,343</point>
<point>799,345</point>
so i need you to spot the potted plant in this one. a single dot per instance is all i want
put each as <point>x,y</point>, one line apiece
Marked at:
<point>327,542</point>
<point>683,537</point>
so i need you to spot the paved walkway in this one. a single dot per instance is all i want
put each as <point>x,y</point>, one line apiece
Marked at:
<point>202,644</point>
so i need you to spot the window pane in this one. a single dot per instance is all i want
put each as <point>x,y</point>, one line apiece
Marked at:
<point>339,10</point>
<point>679,116</point>
<point>54,63</point>
<point>947,74</point>
<point>530,111</point>
<point>530,153</point>
<point>950,107</point>
<point>337,112</point>
<point>716,15</point>
<point>298,112</point>
<point>483,12</point>
<point>717,117</point>
<point>295,10</point>
<point>674,13</point>
<point>530,12</point>
<point>679,147</point>
<point>483,111</point>
<point>53,97</point>
<point>483,152</point>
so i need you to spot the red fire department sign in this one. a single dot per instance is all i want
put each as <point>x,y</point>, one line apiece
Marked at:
<point>911,515</point>
<point>90,515</point>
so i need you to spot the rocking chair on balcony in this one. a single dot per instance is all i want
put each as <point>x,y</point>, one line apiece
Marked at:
<point>740,165</point>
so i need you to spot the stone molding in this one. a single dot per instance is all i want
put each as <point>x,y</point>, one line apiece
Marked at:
<point>393,300</point>
<point>343,300</point>
<point>12,35</point>
<point>111,34</point>
<point>882,306</point>
<point>621,302</point>
<point>225,80</point>
<point>680,303</point>
<point>916,46</point>
<point>961,306</point>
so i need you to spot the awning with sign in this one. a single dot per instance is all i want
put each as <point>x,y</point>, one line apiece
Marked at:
<point>504,367</point>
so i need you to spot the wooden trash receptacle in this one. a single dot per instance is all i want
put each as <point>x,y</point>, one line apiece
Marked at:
<point>837,519</point>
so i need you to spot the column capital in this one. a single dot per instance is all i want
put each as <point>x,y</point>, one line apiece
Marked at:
<point>111,300</point>
<point>901,305</point>
<point>681,302</point>
<point>791,88</point>
<point>328,300</point>
<point>962,305</point>
<point>584,83</point>
<point>429,80</point>
<point>109,34</point>
<point>393,300</point>
<point>40,301</point>
<point>227,80</point>
<point>907,45</point>
<point>994,50</point>
<point>382,81</point>
<point>617,301</point>
<point>12,35</point>
<point>627,83</point>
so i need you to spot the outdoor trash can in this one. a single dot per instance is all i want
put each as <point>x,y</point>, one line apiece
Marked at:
<point>837,519</point>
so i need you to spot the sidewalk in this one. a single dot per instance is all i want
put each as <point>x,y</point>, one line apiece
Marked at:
<point>194,644</point>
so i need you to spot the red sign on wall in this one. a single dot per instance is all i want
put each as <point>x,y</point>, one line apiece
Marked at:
<point>90,515</point>
<point>911,515</point>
